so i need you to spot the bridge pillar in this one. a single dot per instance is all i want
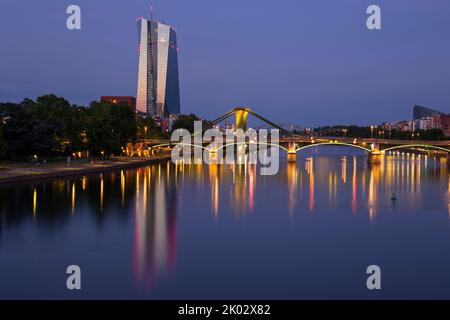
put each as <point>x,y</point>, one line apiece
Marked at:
<point>375,157</point>
<point>241,118</point>
<point>375,154</point>
<point>375,147</point>
<point>292,155</point>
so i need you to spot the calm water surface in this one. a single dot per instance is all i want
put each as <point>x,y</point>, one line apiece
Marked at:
<point>187,232</point>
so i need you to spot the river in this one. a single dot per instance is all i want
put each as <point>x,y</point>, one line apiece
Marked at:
<point>223,231</point>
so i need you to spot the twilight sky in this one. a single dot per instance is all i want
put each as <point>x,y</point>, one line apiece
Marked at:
<point>307,62</point>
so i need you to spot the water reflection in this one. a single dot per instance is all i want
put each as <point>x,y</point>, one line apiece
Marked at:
<point>150,199</point>
<point>292,177</point>
<point>155,189</point>
<point>156,205</point>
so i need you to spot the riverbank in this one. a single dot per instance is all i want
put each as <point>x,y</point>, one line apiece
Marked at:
<point>23,172</point>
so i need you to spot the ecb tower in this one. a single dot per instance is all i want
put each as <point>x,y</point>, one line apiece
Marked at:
<point>158,90</point>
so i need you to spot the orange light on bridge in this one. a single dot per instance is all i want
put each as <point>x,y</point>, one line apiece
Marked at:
<point>354,141</point>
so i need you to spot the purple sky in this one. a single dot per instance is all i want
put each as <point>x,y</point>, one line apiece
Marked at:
<point>308,62</point>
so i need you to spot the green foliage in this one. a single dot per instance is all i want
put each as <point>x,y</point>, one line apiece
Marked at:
<point>185,122</point>
<point>2,140</point>
<point>110,127</point>
<point>26,134</point>
<point>124,123</point>
<point>17,130</point>
<point>47,136</point>
<point>52,126</point>
<point>432,134</point>
<point>73,119</point>
<point>148,129</point>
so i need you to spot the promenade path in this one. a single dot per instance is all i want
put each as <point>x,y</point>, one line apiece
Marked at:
<point>24,171</point>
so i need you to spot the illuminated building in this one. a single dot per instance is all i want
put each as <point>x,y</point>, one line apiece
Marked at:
<point>158,92</point>
<point>131,101</point>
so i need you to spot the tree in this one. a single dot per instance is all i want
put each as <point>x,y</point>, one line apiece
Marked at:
<point>431,134</point>
<point>26,134</point>
<point>72,117</point>
<point>123,122</point>
<point>17,130</point>
<point>148,129</point>
<point>100,132</point>
<point>47,136</point>
<point>110,127</point>
<point>2,140</point>
<point>185,122</point>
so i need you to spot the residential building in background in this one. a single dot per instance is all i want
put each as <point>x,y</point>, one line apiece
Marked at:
<point>424,119</point>
<point>158,92</point>
<point>445,124</point>
<point>131,101</point>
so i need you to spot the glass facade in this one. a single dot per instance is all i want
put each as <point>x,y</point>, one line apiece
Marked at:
<point>158,92</point>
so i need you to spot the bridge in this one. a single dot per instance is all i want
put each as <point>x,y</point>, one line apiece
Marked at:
<point>293,144</point>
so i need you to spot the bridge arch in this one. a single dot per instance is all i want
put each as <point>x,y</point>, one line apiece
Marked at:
<point>417,145</point>
<point>257,143</point>
<point>179,144</point>
<point>333,144</point>
<point>241,114</point>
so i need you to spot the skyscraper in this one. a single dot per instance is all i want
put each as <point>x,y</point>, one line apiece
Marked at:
<point>158,90</point>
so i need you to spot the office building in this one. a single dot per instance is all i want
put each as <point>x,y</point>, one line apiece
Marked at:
<point>158,92</point>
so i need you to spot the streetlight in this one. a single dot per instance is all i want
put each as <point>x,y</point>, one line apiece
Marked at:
<point>32,163</point>
<point>371,131</point>
<point>145,129</point>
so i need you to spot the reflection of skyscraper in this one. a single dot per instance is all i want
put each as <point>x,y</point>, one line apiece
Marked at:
<point>158,91</point>
<point>155,229</point>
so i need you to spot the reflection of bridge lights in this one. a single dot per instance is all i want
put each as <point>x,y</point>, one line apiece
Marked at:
<point>101,192</point>
<point>73,197</point>
<point>34,202</point>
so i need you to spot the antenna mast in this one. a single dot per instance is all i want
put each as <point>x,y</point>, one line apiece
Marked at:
<point>151,13</point>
